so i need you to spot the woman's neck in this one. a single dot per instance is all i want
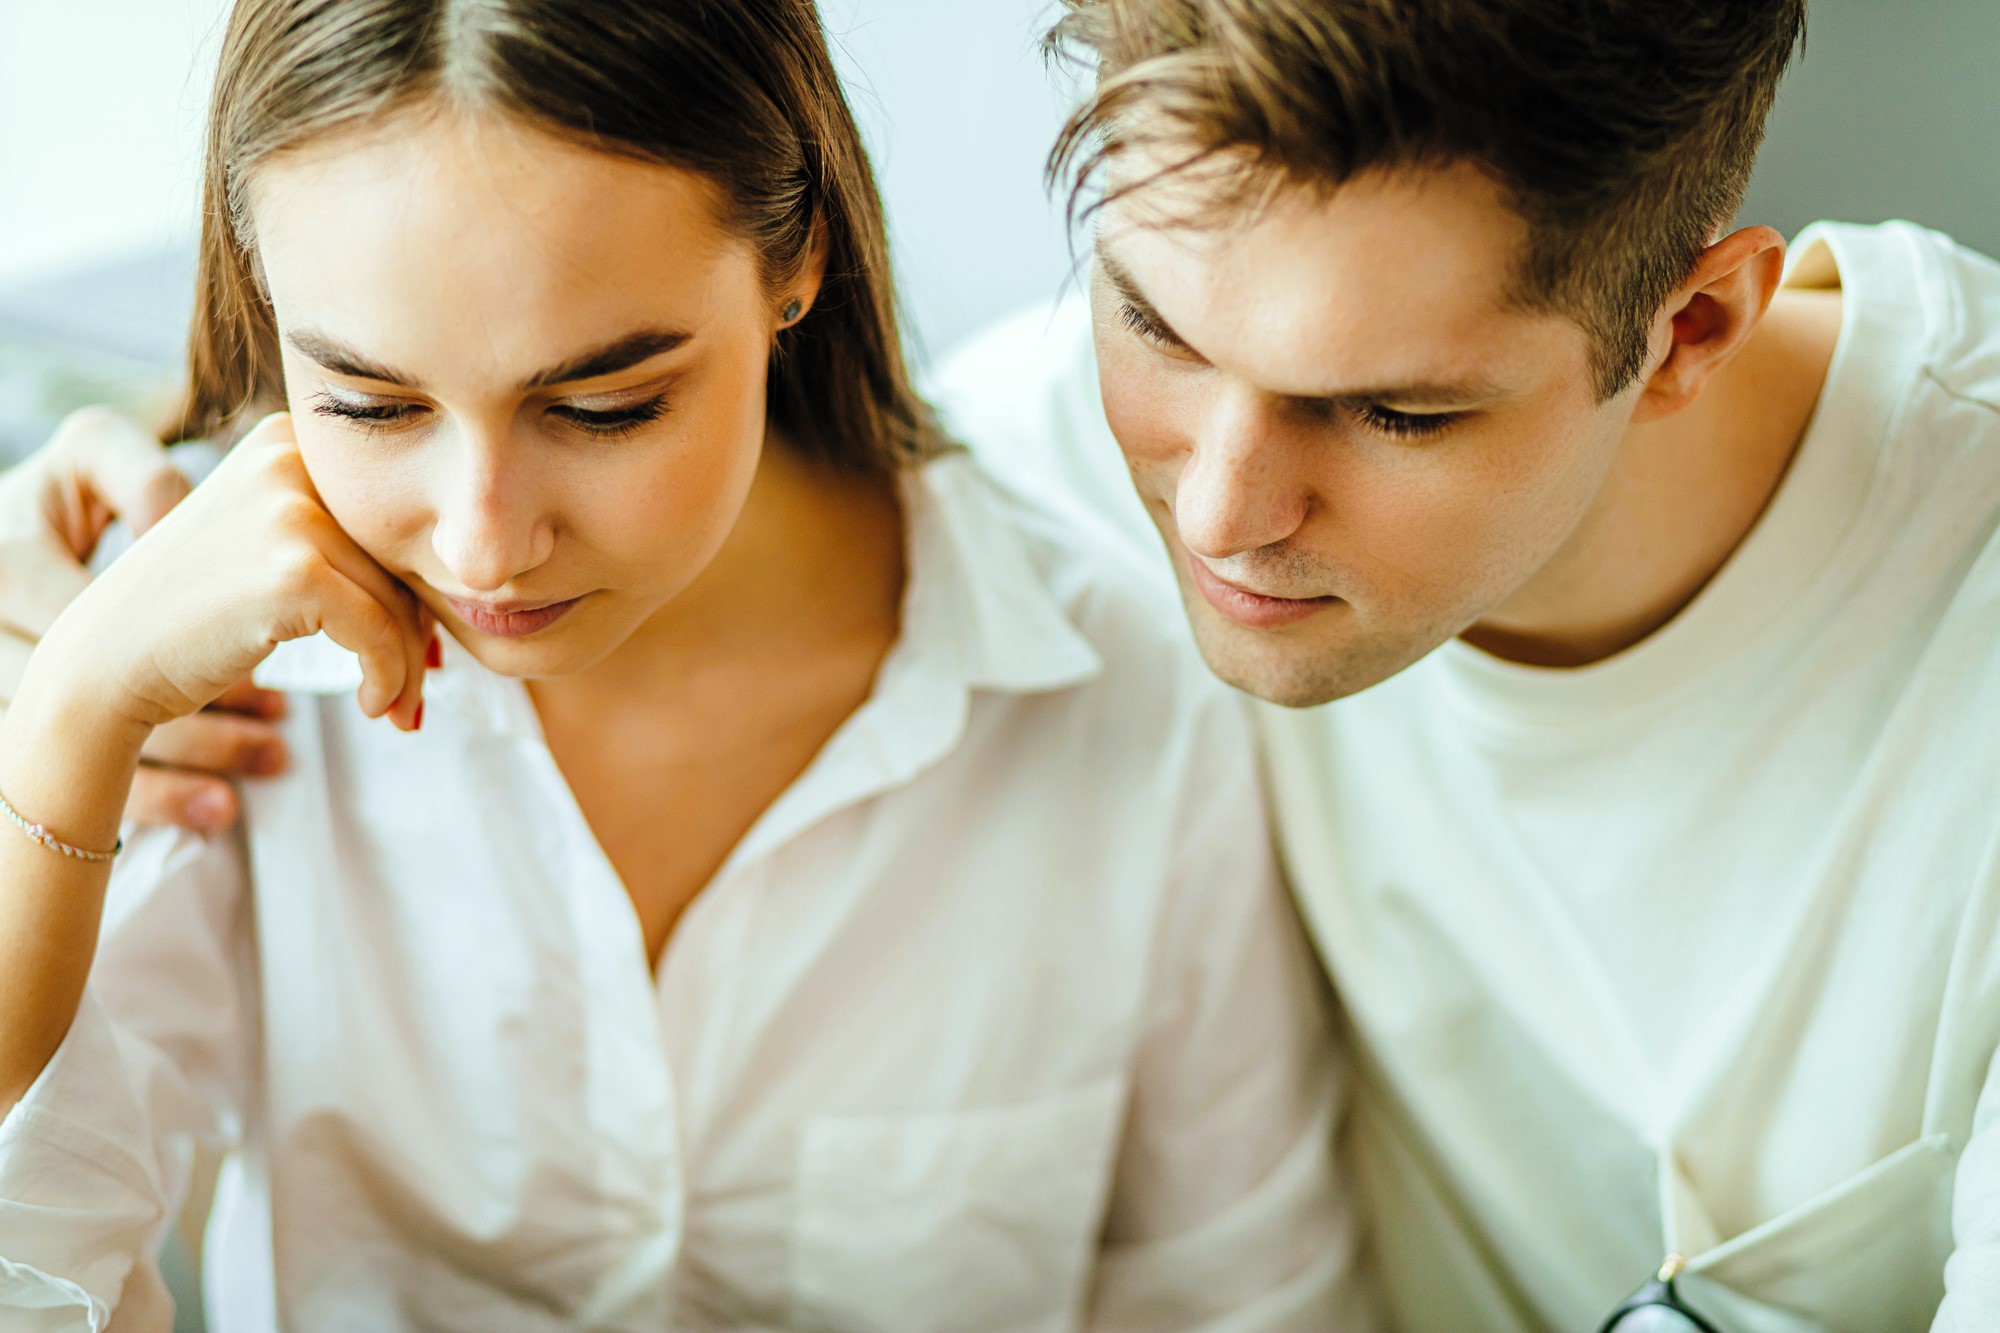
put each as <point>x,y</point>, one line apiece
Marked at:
<point>813,570</point>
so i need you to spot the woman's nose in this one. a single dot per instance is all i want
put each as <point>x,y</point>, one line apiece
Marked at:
<point>490,528</point>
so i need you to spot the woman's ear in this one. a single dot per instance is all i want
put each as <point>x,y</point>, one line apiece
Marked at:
<point>1709,318</point>
<point>803,290</point>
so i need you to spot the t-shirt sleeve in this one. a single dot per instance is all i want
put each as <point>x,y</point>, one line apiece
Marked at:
<point>1227,1209</point>
<point>94,1159</point>
<point>1972,1273</point>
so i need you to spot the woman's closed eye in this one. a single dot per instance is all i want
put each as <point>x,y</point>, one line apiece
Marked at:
<point>613,422</point>
<point>367,413</point>
<point>385,414</point>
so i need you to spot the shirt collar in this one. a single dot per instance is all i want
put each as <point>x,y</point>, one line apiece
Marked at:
<point>974,587</point>
<point>977,615</point>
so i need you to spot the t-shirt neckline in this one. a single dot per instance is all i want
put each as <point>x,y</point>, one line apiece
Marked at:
<point>1801,531</point>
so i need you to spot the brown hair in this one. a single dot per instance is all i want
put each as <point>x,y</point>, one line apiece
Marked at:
<point>741,91</point>
<point>1624,131</point>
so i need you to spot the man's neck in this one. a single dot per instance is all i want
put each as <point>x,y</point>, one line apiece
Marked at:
<point>1681,497</point>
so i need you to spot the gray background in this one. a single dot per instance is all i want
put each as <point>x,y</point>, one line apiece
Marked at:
<point>1895,113</point>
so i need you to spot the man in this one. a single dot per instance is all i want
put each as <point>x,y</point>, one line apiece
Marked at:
<point>1628,603</point>
<point>1634,622</point>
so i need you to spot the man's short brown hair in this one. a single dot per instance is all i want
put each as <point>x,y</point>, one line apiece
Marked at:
<point>1623,131</point>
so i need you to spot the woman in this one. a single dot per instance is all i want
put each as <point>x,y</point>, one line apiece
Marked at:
<point>800,887</point>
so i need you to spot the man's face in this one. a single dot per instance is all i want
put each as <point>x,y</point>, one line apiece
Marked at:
<point>1354,445</point>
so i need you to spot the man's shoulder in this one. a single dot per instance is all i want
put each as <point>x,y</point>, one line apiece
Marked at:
<point>1937,299</point>
<point>1022,395</point>
<point>1962,298</point>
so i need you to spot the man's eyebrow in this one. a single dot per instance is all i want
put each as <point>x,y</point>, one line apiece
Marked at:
<point>620,354</point>
<point>1446,394</point>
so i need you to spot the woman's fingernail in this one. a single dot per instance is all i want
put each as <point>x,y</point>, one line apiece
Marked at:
<point>268,760</point>
<point>209,810</point>
<point>418,725</point>
<point>434,655</point>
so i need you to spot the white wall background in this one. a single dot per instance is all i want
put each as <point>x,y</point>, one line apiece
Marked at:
<point>959,110</point>
<point>101,103</point>
<point>100,123</point>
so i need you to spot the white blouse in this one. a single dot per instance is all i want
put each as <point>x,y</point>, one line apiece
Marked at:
<point>998,1018</point>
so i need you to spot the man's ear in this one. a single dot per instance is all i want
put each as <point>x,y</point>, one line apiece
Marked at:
<point>1709,318</point>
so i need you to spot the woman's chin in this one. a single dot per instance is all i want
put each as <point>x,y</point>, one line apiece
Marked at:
<point>561,650</point>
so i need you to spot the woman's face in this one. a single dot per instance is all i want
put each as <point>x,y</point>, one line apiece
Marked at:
<point>527,378</point>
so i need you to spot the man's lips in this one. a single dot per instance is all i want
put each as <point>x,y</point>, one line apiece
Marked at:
<point>1252,609</point>
<point>511,620</point>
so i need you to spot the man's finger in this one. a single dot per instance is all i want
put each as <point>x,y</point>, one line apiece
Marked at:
<point>222,744</point>
<point>166,796</point>
<point>252,701</point>
<point>113,461</point>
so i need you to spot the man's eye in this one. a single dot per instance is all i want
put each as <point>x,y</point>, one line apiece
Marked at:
<point>1139,322</point>
<point>1404,425</point>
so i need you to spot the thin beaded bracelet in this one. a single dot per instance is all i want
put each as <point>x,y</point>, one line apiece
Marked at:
<point>51,841</point>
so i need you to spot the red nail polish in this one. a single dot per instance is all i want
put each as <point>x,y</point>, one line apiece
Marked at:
<point>418,725</point>
<point>434,655</point>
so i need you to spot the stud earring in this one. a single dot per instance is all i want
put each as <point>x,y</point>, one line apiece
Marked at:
<point>793,311</point>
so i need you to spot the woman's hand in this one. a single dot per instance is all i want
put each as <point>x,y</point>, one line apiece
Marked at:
<point>248,561</point>
<point>55,507</point>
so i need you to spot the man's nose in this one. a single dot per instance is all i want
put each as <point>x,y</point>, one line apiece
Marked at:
<point>1239,490</point>
<point>491,526</point>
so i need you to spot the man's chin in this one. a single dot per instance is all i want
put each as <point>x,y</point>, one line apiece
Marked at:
<point>1286,667</point>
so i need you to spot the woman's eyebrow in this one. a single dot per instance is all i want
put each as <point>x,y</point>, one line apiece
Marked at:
<point>612,357</point>
<point>608,359</point>
<point>341,359</point>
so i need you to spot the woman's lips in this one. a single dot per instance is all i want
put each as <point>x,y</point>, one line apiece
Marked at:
<point>512,620</point>
<point>1251,609</point>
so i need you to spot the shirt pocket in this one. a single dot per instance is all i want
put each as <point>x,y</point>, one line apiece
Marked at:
<point>1867,1255</point>
<point>982,1221</point>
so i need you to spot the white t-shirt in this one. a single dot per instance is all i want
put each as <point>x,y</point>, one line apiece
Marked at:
<point>997,1018</point>
<point>1696,950</point>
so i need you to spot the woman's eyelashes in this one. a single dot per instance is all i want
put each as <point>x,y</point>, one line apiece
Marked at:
<point>368,415</point>
<point>602,423</point>
<point>613,422</point>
